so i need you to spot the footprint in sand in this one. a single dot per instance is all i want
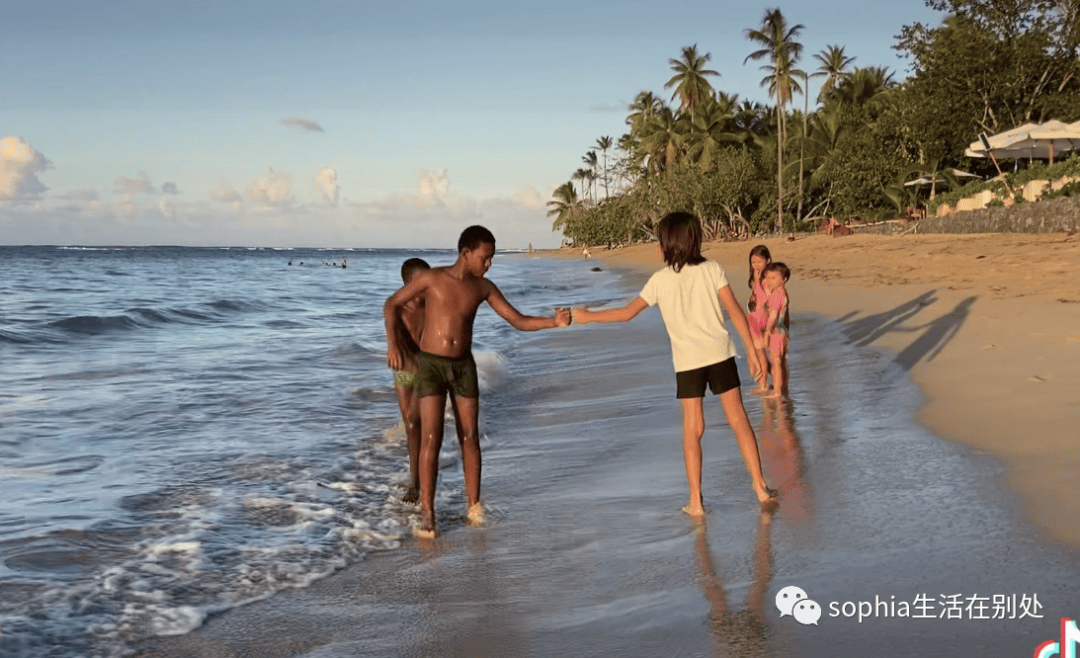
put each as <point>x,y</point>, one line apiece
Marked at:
<point>1036,378</point>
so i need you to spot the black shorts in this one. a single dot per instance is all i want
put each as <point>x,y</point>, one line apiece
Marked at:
<point>722,377</point>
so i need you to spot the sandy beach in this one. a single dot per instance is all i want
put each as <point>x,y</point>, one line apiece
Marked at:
<point>988,325</point>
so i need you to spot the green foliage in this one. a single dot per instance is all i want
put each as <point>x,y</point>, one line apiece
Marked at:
<point>1068,190</point>
<point>987,66</point>
<point>996,203</point>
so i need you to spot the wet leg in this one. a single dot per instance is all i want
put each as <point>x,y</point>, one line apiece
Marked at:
<point>431,436</point>
<point>748,445</point>
<point>468,415</point>
<point>409,404</point>
<point>693,429</point>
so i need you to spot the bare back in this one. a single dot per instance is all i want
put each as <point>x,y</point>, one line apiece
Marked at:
<point>412,316</point>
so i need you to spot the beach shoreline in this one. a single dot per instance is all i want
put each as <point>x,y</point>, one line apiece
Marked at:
<point>988,325</point>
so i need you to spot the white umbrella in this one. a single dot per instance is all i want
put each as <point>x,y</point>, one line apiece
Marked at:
<point>926,180</point>
<point>1031,140</point>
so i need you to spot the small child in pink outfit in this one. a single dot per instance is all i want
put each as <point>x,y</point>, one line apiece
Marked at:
<point>774,276</point>
<point>756,315</point>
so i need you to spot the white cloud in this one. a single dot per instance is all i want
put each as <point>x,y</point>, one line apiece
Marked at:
<point>226,194</point>
<point>434,185</point>
<point>167,207</point>
<point>274,190</point>
<point>301,123</point>
<point>325,183</point>
<point>18,164</point>
<point>139,185</point>
<point>268,213</point>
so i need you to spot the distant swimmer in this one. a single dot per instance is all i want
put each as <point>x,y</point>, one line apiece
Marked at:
<point>691,291</point>
<point>344,262</point>
<point>451,295</point>
<point>290,262</point>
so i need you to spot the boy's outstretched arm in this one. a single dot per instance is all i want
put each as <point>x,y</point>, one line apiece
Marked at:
<point>738,318</point>
<point>395,328</point>
<point>507,312</point>
<point>583,315</point>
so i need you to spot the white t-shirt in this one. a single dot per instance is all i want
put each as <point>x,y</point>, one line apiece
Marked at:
<point>691,311</point>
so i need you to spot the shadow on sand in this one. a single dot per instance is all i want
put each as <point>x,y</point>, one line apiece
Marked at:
<point>935,334</point>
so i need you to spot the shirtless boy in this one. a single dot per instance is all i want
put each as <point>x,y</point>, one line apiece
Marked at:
<point>405,378</point>
<point>451,296</point>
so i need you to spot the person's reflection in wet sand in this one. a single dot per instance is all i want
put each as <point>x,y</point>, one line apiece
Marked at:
<point>745,632</point>
<point>783,459</point>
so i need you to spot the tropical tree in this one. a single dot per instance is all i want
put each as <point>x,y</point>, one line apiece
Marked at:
<point>582,175</point>
<point>690,81</point>
<point>711,129</point>
<point>834,68</point>
<point>593,163</point>
<point>563,204</point>
<point>604,144</point>
<point>778,45</point>
<point>663,139</point>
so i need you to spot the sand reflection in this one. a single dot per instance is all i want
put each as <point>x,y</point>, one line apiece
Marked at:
<point>783,460</point>
<point>742,632</point>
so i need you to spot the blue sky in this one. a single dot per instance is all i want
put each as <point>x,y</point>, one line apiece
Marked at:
<point>333,123</point>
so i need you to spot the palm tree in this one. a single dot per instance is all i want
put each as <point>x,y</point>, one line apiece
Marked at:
<point>645,105</point>
<point>834,68</point>
<point>663,139</point>
<point>583,176</point>
<point>593,163</point>
<point>712,124</point>
<point>783,52</point>
<point>563,204</point>
<point>689,80</point>
<point>604,144</point>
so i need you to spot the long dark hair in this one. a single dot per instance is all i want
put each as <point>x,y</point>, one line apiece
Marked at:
<point>680,240</point>
<point>760,250</point>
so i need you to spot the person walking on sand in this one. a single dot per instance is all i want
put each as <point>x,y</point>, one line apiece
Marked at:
<point>451,297</point>
<point>776,324</point>
<point>755,312</point>
<point>690,292</point>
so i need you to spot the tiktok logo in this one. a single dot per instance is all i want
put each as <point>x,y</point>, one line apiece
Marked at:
<point>1066,648</point>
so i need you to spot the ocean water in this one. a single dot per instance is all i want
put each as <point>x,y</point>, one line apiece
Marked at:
<point>186,430</point>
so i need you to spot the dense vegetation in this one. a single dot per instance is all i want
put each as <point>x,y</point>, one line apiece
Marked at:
<point>745,167</point>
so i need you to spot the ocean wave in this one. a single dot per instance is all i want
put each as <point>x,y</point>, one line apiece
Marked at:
<point>188,550</point>
<point>96,324</point>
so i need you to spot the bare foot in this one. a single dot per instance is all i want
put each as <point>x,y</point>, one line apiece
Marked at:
<point>776,393</point>
<point>768,499</point>
<point>694,510</point>
<point>412,495</point>
<point>761,389</point>
<point>476,514</point>
<point>426,529</point>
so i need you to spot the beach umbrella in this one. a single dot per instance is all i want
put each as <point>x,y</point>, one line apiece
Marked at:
<point>926,180</point>
<point>1039,141</point>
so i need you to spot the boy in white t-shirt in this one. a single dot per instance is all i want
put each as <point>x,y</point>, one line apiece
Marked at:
<point>690,292</point>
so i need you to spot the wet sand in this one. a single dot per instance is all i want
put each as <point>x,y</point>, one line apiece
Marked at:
<point>586,554</point>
